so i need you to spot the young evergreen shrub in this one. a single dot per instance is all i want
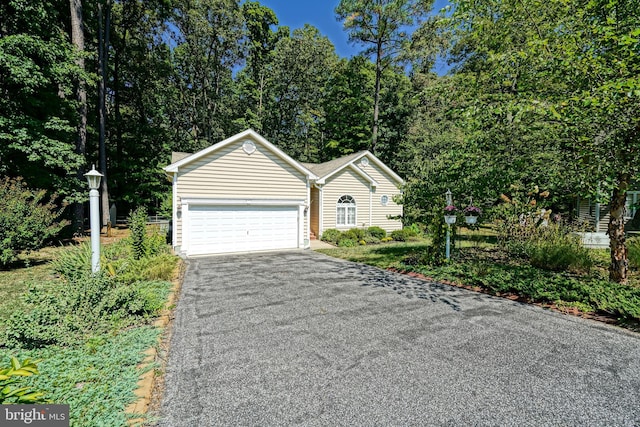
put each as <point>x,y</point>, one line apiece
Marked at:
<point>331,235</point>
<point>138,227</point>
<point>27,220</point>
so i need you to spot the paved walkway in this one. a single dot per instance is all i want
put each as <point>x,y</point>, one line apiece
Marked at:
<point>298,338</point>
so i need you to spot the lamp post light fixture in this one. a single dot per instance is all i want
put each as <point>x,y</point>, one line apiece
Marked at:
<point>93,177</point>
<point>449,219</point>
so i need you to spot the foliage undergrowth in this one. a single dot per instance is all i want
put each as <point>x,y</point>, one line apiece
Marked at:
<point>95,379</point>
<point>90,330</point>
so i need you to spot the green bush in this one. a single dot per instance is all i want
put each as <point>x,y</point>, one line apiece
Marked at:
<point>26,220</point>
<point>377,232</point>
<point>404,234</point>
<point>633,246</point>
<point>356,234</point>
<point>138,227</point>
<point>560,253</point>
<point>125,292</point>
<point>347,243</point>
<point>331,235</point>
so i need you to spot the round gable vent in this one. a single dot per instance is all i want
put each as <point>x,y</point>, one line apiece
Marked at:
<point>249,147</point>
<point>364,162</point>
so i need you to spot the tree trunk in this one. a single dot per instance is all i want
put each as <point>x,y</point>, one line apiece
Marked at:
<point>103,53</point>
<point>376,99</point>
<point>77,38</point>
<point>619,260</point>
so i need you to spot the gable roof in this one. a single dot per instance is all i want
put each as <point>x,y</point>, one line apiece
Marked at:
<point>180,161</point>
<point>328,169</point>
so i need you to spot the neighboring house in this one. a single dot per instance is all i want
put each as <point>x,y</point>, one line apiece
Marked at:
<point>244,194</point>
<point>596,216</point>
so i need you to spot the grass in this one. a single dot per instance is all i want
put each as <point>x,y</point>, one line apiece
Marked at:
<point>477,262</point>
<point>31,268</point>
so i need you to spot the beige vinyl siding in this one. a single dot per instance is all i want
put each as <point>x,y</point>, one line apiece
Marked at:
<point>386,185</point>
<point>314,212</point>
<point>230,173</point>
<point>345,182</point>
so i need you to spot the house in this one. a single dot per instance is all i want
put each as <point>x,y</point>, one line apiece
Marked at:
<point>244,194</point>
<point>596,216</point>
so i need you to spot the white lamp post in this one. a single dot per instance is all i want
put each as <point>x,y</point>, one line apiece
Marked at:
<point>93,177</point>
<point>449,219</point>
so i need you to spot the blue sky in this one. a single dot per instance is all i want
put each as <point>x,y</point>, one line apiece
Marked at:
<point>320,14</point>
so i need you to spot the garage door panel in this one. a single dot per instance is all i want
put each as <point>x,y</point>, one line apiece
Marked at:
<point>219,229</point>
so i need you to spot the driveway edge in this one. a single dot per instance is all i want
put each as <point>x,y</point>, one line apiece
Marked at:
<point>147,380</point>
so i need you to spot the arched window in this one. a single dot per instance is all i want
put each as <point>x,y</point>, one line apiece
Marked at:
<point>346,211</point>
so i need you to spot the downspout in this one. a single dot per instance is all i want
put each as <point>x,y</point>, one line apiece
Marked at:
<point>174,212</point>
<point>320,211</point>
<point>370,204</point>
<point>307,216</point>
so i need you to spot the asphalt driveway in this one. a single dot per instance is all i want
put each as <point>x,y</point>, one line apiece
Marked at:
<point>298,338</point>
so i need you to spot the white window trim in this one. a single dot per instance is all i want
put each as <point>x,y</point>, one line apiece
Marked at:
<point>346,207</point>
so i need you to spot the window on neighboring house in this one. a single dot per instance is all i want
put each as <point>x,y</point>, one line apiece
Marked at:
<point>633,199</point>
<point>346,211</point>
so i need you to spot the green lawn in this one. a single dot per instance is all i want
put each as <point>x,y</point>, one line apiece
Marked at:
<point>32,268</point>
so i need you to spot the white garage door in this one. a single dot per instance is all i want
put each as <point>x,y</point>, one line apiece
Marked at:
<point>219,229</point>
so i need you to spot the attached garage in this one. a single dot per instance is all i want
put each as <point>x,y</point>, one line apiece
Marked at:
<point>240,195</point>
<point>253,226</point>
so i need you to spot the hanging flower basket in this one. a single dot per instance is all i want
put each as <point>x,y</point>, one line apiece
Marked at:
<point>471,219</point>
<point>450,214</point>
<point>450,219</point>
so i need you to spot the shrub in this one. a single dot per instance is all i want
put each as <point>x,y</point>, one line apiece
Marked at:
<point>26,220</point>
<point>356,234</point>
<point>138,227</point>
<point>331,235</point>
<point>386,239</point>
<point>377,232</point>
<point>370,240</point>
<point>633,246</point>
<point>559,253</point>
<point>74,262</point>
<point>347,243</point>
<point>404,234</point>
